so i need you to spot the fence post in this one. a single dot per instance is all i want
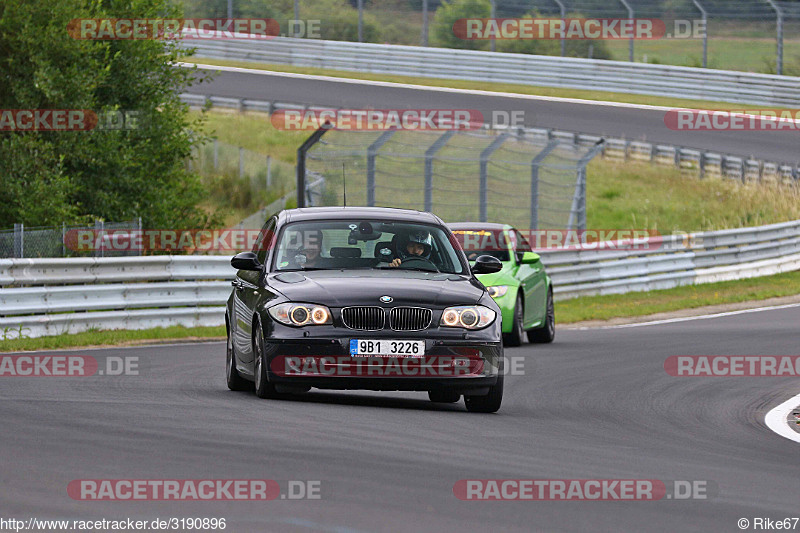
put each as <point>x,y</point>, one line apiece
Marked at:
<point>579,197</point>
<point>19,240</point>
<point>704,18</point>
<point>372,153</point>
<point>216,154</point>
<point>269,173</point>
<point>301,162</point>
<point>535,162</point>
<point>296,18</point>
<point>63,239</point>
<point>241,162</point>
<point>484,183</point>
<point>779,36</point>
<point>630,41</point>
<point>564,16</point>
<point>492,15</point>
<point>429,153</point>
<point>424,36</point>
<point>361,21</point>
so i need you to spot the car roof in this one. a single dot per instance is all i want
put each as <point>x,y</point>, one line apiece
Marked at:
<point>350,212</point>
<point>478,225</point>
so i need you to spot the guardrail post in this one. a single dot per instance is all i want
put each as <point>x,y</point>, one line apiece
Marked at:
<point>484,183</point>
<point>429,153</point>
<point>372,152</point>
<point>19,240</point>
<point>535,162</point>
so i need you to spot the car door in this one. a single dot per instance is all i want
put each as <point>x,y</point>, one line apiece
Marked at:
<point>247,286</point>
<point>531,279</point>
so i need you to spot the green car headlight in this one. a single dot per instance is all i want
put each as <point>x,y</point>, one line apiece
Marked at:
<point>497,291</point>
<point>467,316</point>
<point>294,314</point>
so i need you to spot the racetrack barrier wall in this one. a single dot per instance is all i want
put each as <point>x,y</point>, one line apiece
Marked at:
<point>50,296</point>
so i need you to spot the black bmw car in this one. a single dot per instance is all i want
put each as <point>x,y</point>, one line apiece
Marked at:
<point>363,298</point>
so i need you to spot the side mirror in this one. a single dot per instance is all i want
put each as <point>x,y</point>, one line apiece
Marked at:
<point>486,264</point>
<point>246,261</point>
<point>528,258</point>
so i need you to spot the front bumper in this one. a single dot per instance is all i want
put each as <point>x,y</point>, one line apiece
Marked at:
<point>451,362</point>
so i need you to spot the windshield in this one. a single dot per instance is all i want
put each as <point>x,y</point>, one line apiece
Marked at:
<point>477,242</point>
<point>366,244</point>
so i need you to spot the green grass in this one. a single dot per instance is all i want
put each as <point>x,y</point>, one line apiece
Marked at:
<point>646,303</point>
<point>110,338</point>
<point>728,53</point>
<point>640,195</point>
<point>485,86</point>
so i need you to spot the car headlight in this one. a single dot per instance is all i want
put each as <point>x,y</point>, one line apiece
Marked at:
<point>467,316</point>
<point>497,291</point>
<point>294,314</point>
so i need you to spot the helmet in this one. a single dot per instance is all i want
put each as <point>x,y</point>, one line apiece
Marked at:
<point>417,236</point>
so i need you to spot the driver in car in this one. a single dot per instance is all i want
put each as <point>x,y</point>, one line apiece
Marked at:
<point>417,243</point>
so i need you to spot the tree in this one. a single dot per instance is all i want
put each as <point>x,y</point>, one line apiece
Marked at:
<point>447,15</point>
<point>50,177</point>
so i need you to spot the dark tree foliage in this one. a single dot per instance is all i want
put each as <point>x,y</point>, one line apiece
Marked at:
<point>54,177</point>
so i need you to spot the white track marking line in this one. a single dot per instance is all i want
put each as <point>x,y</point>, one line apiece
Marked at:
<point>475,92</point>
<point>776,419</point>
<point>697,317</point>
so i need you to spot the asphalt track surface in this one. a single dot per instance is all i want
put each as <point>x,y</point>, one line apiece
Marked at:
<point>596,404</point>
<point>633,123</point>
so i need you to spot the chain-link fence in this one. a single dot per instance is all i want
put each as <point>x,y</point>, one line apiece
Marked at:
<point>747,35</point>
<point>65,240</point>
<point>461,176</point>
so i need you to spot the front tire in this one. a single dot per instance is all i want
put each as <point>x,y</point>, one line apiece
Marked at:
<point>517,332</point>
<point>489,403</point>
<point>546,333</point>
<point>235,381</point>
<point>264,389</point>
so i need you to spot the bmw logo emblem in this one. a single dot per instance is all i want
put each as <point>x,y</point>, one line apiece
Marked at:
<point>386,299</point>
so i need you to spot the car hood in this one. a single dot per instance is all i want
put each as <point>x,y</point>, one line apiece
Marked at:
<point>336,288</point>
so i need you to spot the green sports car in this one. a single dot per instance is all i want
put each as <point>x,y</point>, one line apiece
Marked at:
<point>522,289</point>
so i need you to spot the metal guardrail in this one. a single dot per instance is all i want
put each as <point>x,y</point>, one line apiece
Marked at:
<point>705,163</point>
<point>546,71</point>
<point>51,296</point>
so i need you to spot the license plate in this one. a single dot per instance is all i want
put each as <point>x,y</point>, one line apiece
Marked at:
<point>386,348</point>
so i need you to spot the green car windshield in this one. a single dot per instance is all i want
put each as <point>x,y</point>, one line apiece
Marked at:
<point>479,242</point>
